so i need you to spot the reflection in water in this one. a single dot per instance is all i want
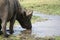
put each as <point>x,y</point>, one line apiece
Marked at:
<point>51,27</point>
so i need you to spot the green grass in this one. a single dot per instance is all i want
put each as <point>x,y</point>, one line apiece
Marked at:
<point>44,6</point>
<point>28,37</point>
<point>57,37</point>
<point>37,19</point>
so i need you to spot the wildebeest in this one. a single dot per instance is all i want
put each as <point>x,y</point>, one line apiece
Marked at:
<point>7,13</point>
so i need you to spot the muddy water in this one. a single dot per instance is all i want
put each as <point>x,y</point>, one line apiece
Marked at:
<point>51,27</point>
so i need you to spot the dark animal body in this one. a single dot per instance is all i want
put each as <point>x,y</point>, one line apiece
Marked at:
<point>7,13</point>
<point>11,10</point>
<point>24,16</point>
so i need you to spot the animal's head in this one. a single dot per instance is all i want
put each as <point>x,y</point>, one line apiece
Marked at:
<point>24,18</point>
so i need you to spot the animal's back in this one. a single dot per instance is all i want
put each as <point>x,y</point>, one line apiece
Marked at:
<point>8,7</point>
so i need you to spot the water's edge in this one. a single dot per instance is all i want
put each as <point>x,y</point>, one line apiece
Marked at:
<point>51,27</point>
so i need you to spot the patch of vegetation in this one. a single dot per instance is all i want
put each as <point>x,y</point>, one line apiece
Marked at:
<point>37,19</point>
<point>57,38</point>
<point>28,37</point>
<point>44,6</point>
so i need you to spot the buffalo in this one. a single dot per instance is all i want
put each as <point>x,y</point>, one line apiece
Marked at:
<point>11,10</point>
<point>7,13</point>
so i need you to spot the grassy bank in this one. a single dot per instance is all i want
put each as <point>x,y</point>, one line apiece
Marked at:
<point>37,19</point>
<point>28,37</point>
<point>57,37</point>
<point>44,6</point>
